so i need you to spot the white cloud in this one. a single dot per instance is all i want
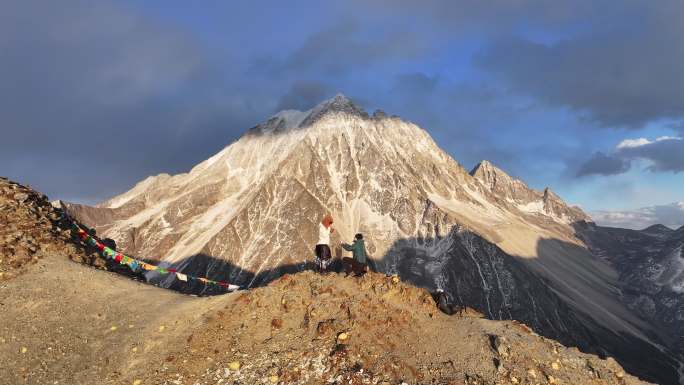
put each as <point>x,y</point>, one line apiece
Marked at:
<point>634,143</point>
<point>670,215</point>
<point>631,143</point>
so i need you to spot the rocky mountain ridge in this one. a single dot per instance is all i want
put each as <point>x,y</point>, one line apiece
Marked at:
<point>515,191</point>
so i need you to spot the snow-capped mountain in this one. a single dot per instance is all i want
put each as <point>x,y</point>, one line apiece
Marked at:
<point>250,213</point>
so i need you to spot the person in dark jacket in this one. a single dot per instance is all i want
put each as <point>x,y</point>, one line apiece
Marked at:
<point>358,262</point>
<point>444,304</point>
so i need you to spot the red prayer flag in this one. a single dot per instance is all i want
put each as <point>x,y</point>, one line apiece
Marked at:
<point>118,257</point>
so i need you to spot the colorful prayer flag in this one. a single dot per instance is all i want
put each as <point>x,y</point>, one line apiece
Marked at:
<point>134,264</point>
<point>148,267</point>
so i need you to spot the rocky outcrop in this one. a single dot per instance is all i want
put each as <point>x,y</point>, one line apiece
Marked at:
<point>377,329</point>
<point>32,229</point>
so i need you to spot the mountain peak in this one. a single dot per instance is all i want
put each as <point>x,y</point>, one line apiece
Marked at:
<point>522,196</point>
<point>482,166</point>
<point>340,98</point>
<point>658,228</point>
<point>288,119</point>
<point>338,104</point>
<point>549,194</point>
<point>491,175</point>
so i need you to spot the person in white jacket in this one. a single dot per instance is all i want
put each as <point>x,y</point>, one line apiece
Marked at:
<point>323,254</point>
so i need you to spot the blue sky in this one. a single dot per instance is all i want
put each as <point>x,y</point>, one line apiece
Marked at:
<point>98,95</point>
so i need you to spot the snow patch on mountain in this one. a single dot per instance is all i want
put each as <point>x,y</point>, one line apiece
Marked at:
<point>534,207</point>
<point>672,272</point>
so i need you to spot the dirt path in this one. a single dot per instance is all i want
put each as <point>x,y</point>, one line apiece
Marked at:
<point>65,323</point>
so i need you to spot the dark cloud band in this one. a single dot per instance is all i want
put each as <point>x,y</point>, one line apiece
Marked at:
<point>665,154</point>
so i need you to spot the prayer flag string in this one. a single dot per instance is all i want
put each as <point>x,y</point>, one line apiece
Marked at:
<point>135,264</point>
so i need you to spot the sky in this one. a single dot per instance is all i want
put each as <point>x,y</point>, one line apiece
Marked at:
<point>586,97</point>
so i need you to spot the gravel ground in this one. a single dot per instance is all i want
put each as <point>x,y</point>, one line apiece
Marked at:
<point>66,323</point>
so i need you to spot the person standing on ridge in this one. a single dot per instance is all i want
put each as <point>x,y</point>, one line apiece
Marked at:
<point>357,264</point>
<point>323,254</point>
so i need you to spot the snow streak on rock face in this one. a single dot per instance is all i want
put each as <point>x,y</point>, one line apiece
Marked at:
<point>251,212</point>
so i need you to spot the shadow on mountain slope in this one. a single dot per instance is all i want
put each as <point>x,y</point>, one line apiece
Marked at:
<point>563,294</point>
<point>648,266</point>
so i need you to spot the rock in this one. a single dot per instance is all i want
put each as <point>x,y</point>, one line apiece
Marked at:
<point>234,365</point>
<point>273,379</point>
<point>555,366</point>
<point>497,344</point>
<point>342,336</point>
<point>499,366</point>
<point>137,382</point>
<point>532,373</point>
<point>20,197</point>
<point>551,379</point>
<point>24,349</point>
